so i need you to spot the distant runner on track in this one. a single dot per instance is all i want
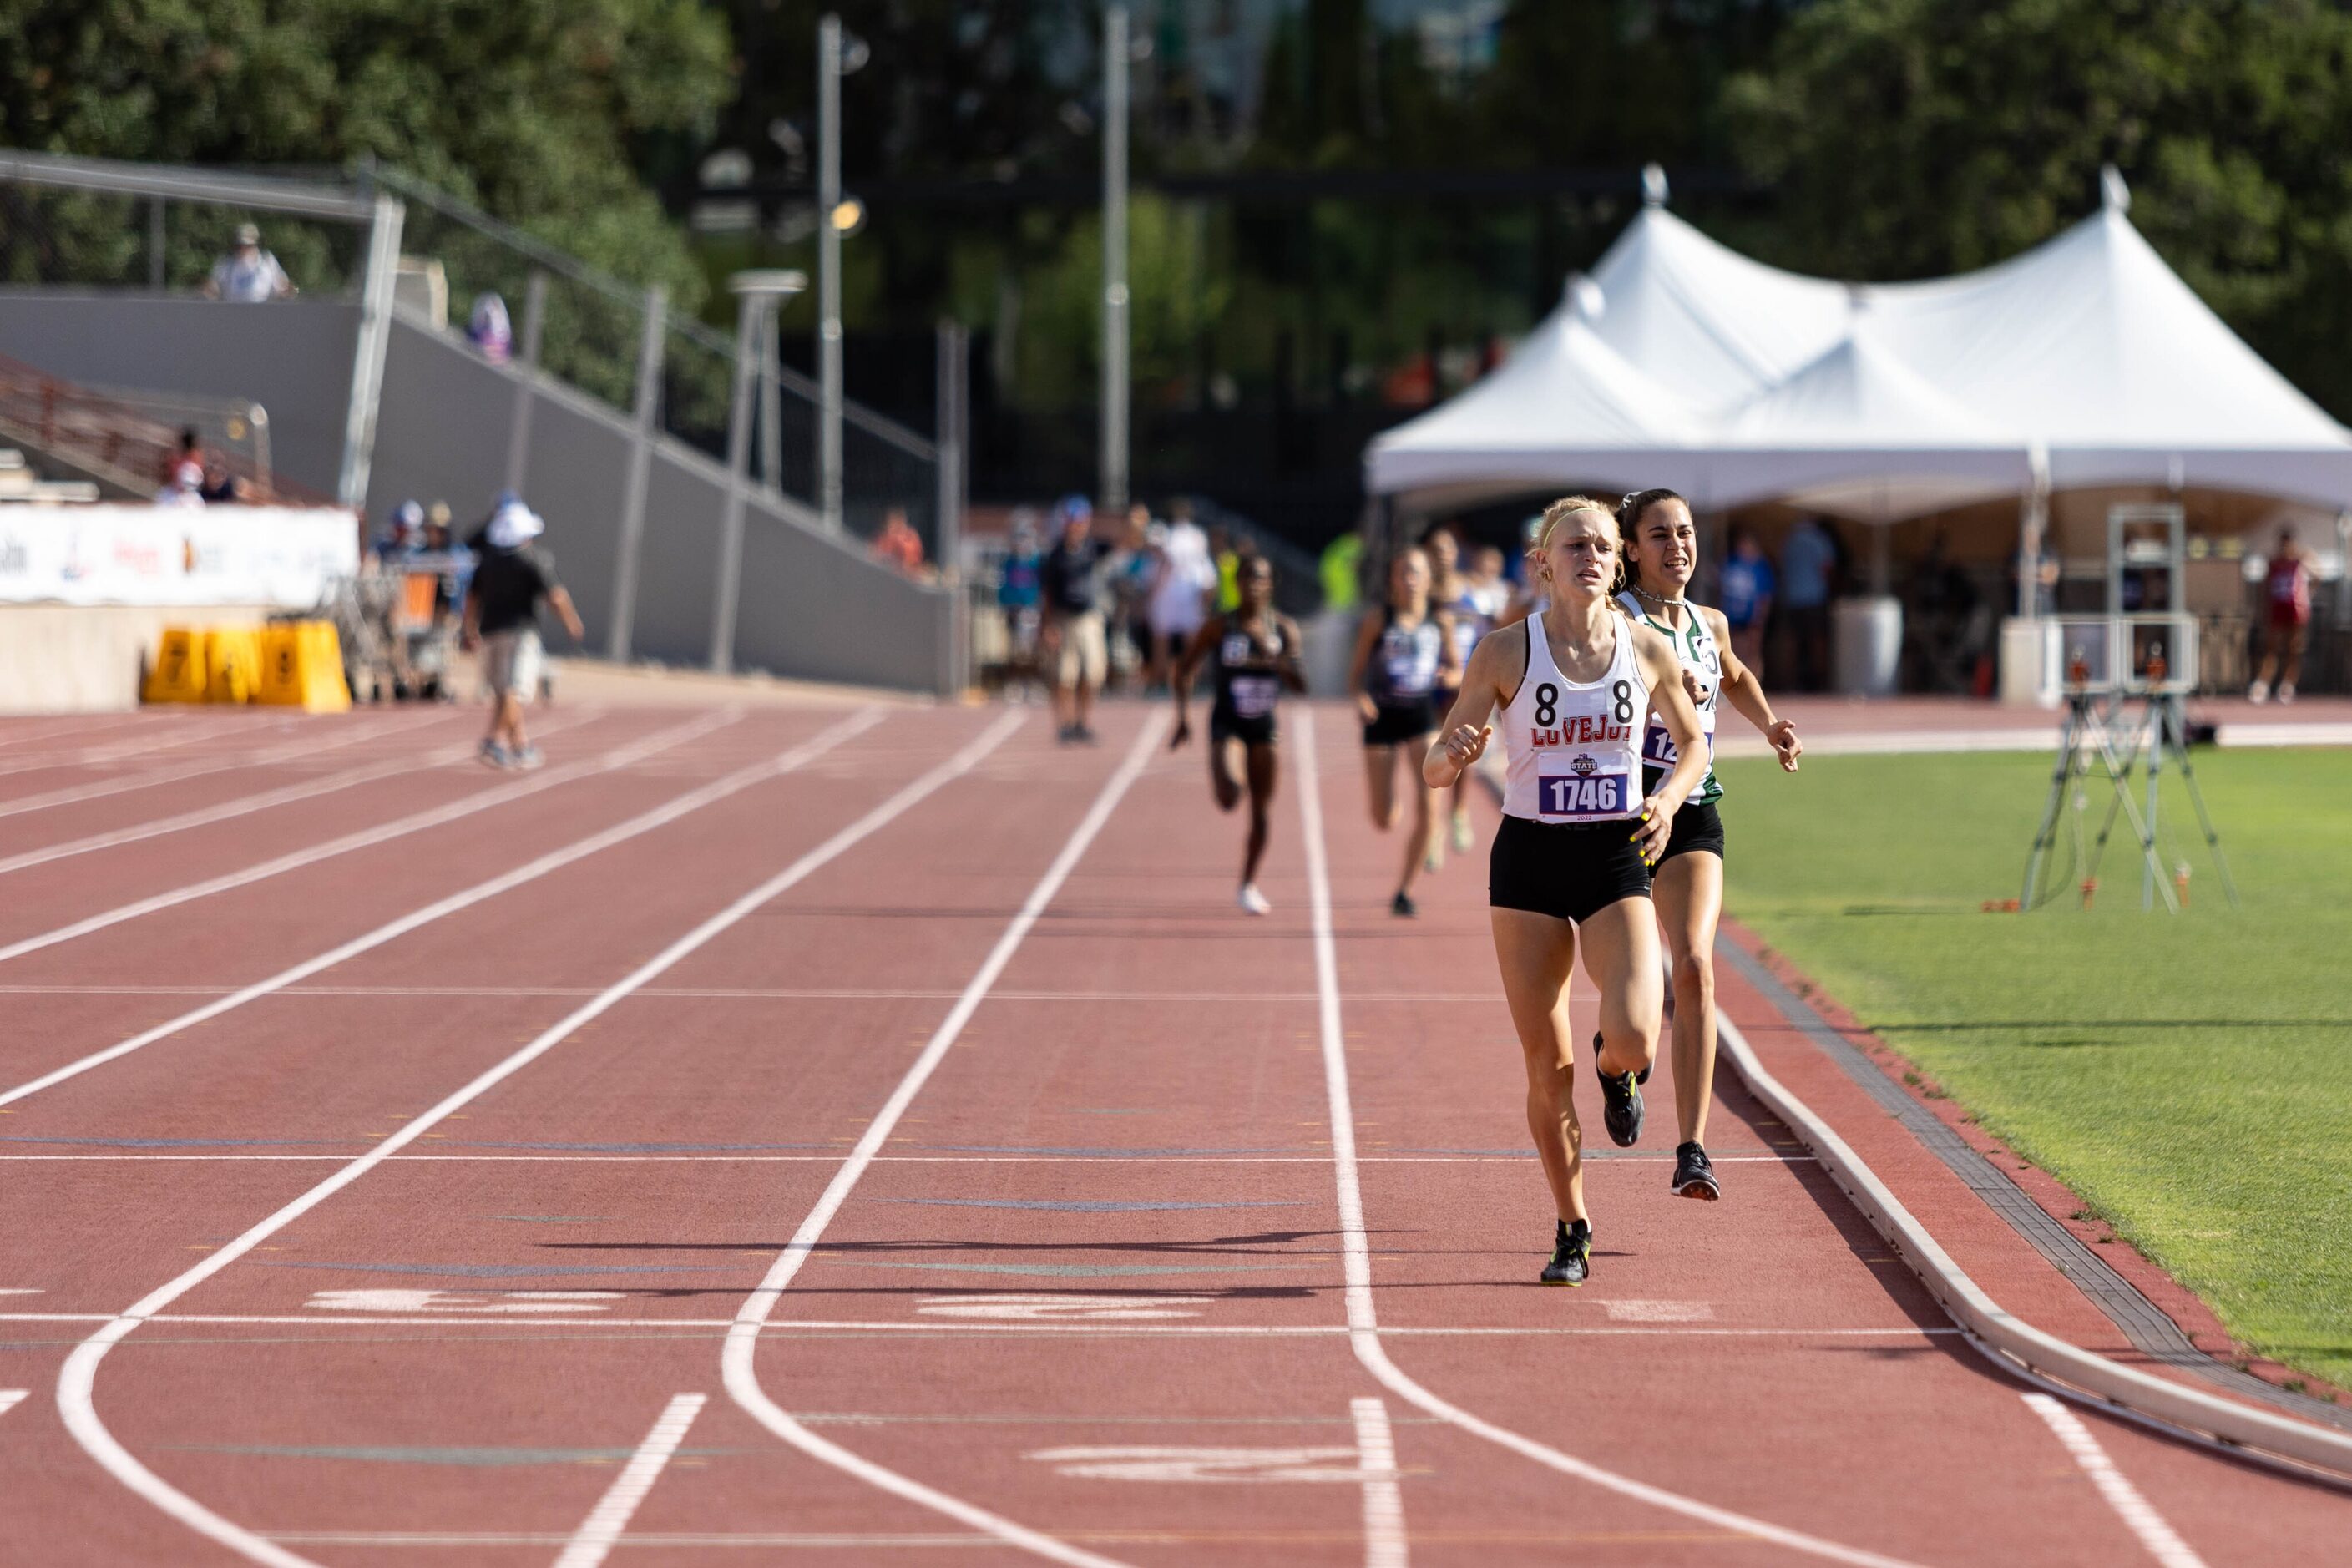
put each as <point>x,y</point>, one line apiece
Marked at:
<point>1253,658</point>
<point>1577,685</point>
<point>1662,551</point>
<point>1404,653</point>
<point>1472,605</point>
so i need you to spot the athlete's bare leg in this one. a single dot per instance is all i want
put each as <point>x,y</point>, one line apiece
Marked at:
<point>1620,959</point>
<point>1688,891</point>
<point>1537,953</point>
<point>1380,778</point>
<point>1265,768</point>
<point>1421,843</point>
<point>1224,775</point>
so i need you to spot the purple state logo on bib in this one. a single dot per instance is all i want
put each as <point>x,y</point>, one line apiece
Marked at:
<point>1584,792</point>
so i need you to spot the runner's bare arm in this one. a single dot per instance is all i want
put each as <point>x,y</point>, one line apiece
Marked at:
<point>1180,684</point>
<point>1368,633</point>
<point>1744,691</point>
<point>1294,652</point>
<point>1463,736</point>
<point>561,602</point>
<point>1672,704</point>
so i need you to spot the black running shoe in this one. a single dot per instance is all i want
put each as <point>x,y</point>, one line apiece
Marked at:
<point>1571,1253</point>
<point>1695,1174</point>
<point>1621,1101</point>
<point>1403,904</point>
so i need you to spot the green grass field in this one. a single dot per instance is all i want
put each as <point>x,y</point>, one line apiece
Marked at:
<point>2189,1076</point>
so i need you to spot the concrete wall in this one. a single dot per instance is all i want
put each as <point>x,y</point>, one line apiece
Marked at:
<point>813,606</point>
<point>90,659</point>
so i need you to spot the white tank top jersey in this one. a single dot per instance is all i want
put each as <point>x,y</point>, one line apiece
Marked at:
<point>1573,753</point>
<point>1695,650</point>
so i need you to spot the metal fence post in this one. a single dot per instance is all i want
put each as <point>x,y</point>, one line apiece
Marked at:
<point>954,348</point>
<point>534,325</point>
<point>155,244</point>
<point>748,309</point>
<point>650,344</point>
<point>368,353</point>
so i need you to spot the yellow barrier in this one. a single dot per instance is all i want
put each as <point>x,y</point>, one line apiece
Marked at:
<point>232,663</point>
<point>302,667</point>
<point>178,672</point>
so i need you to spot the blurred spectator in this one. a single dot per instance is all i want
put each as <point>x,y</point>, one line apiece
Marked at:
<point>1180,593</point>
<point>2286,594</point>
<point>512,579</point>
<point>898,545</point>
<point>488,330</point>
<point>1228,561</point>
<point>1743,594</point>
<point>248,275</point>
<point>187,487</point>
<point>1340,561</point>
<point>1132,564</point>
<point>222,488</point>
<point>191,450</point>
<point>1017,590</point>
<point>449,591</point>
<point>406,537</point>
<point>1072,581</point>
<point>1807,559</point>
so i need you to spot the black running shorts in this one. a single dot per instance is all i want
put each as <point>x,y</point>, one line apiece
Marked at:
<point>1697,826</point>
<point>1569,870</point>
<point>1402,724</point>
<point>1225,724</point>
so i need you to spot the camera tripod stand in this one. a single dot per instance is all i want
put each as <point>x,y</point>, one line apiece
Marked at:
<point>2088,743</point>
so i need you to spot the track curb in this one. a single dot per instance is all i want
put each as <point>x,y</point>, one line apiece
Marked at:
<point>2017,1346</point>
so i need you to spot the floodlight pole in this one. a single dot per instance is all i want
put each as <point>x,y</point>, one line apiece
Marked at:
<point>757,295</point>
<point>828,269</point>
<point>1114,297</point>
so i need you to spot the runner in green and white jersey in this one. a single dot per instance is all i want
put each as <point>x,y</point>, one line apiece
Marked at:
<point>1661,553</point>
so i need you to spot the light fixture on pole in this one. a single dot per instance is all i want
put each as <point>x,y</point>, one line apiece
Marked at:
<point>756,295</point>
<point>837,55</point>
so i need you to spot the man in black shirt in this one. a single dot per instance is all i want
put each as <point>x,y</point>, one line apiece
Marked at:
<point>502,616</point>
<point>1071,579</point>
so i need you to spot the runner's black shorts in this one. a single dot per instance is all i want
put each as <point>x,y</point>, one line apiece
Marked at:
<point>1225,724</point>
<point>1408,722</point>
<point>1697,825</point>
<point>1569,870</point>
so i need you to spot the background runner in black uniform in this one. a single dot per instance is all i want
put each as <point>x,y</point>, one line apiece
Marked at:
<point>1253,658</point>
<point>1404,653</point>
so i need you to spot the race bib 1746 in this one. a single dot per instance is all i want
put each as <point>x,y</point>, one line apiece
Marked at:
<point>1588,796</point>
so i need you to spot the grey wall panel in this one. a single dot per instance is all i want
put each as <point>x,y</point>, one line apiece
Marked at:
<point>293,357</point>
<point>813,606</point>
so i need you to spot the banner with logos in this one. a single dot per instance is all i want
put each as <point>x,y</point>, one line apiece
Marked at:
<point>283,557</point>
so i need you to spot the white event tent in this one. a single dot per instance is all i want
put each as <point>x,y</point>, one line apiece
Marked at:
<point>2083,361</point>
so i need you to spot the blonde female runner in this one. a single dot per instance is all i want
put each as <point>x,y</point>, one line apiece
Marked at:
<point>1571,865</point>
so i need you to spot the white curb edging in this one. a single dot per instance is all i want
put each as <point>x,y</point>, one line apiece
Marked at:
<point>2015,1345</point>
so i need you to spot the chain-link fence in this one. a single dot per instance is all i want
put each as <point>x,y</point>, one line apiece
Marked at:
<point>59,237</point>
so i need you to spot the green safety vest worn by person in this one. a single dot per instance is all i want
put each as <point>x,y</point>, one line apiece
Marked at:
<point>1338,569</point>
<point>1229,582</point>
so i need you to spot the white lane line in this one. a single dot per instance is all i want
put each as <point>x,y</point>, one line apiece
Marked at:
<point>645,822</point>
<point>738,1359</point>
<point>10,1398</point>
<point>2134,1509</point>
<point>76,793</point>
<point>601,1532</point>
<point>1363,1318</point>
<point>366,839</point>
<point>1384,1536</point>
<point>810,1325</point>
<point>244,805</point>
<point>78,1379</point>
<point>752,993</point>
<point>886,1159</point>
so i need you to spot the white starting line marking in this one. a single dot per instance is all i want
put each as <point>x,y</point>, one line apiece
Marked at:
<point>602,1530</point>
<point>460,1302</point>
<point>1659,1311</point>
<point>1063,1308</point>
<point>2125,1499</point>
<point>1384,1536</point>
<point>10,1398</point>
<point>1147,1462</point>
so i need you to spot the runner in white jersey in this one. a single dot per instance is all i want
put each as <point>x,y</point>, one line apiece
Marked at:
<point>1571,864</point>
<point>1662,549</point>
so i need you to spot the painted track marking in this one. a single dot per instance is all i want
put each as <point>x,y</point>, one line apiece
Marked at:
<point>601,1532</point>
<point>74,795</point>
<point>555,860</point>
<point>10,1398</point>
<point>367,838</point>
<point>246,804</point>
<point>78,1379</point>
<point>738,1359</point>
<point>2130,1505</point>
<point>1384,1533</point>
<point>1363,1318</point>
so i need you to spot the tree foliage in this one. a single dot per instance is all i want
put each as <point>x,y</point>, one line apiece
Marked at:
<point>548,112</point>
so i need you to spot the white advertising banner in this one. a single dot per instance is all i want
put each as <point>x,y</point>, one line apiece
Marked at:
<point>283,557</point>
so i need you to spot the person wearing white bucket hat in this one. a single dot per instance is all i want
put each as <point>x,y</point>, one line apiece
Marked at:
<point>510,580</point>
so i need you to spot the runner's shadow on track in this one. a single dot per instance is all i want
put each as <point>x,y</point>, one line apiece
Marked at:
<point>1257,1244</point>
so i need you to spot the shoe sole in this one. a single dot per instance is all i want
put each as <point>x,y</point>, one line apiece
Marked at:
<point>1705,1192</point>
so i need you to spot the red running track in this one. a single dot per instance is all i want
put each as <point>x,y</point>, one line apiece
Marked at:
<point>905,1145</point>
